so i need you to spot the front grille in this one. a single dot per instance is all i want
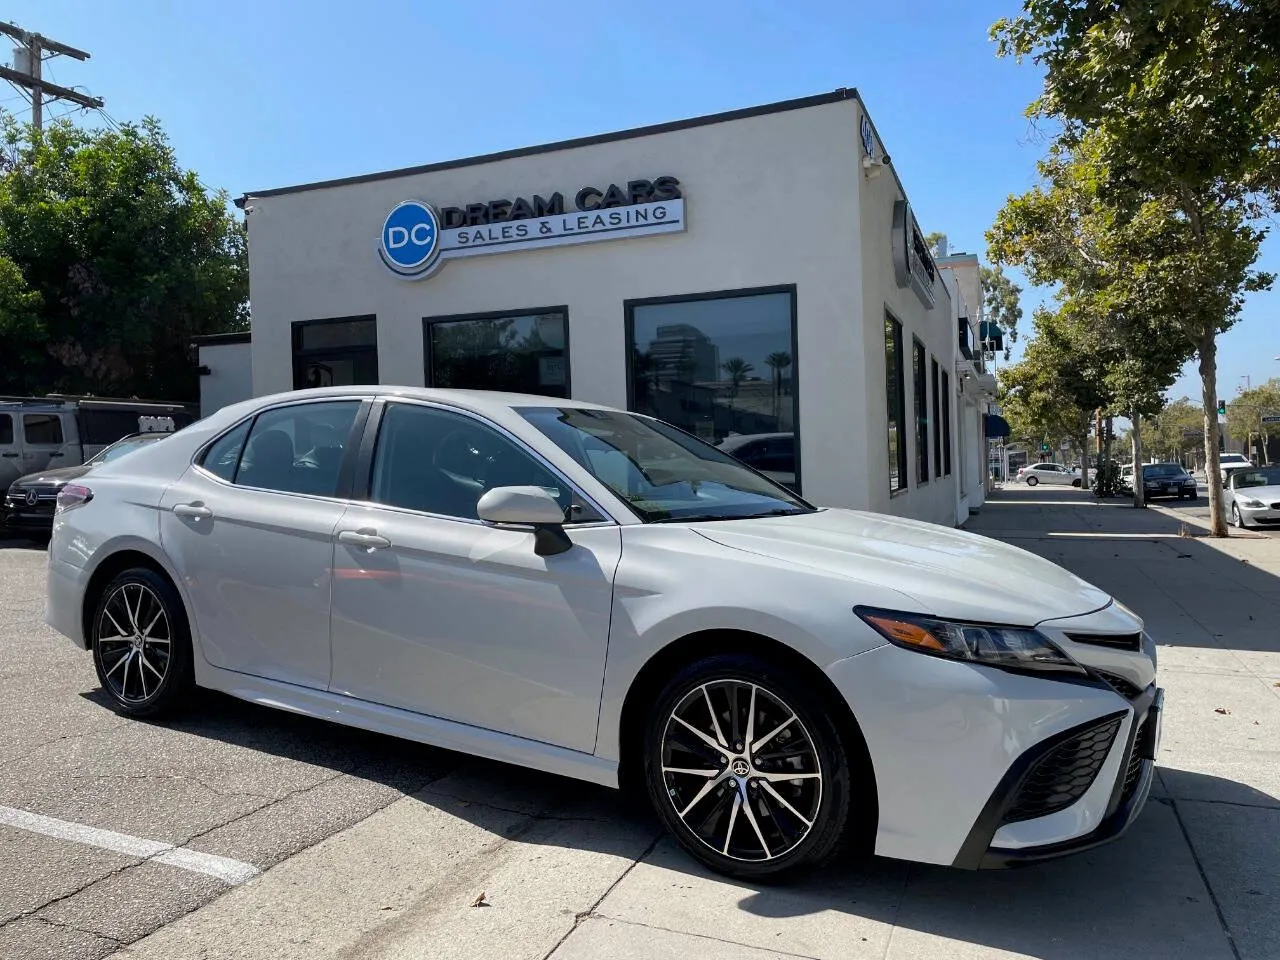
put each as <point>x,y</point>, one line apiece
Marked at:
<point>1061,776</point>
<point>1130,691</point>
<point>1116,641</point>
<point>1275,506</point>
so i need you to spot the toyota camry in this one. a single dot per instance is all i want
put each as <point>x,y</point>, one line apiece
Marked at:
<point>597,594</point>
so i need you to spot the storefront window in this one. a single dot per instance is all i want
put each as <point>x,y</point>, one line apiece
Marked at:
<point>946,424</point>
<point>937,419</point>
<point>335,353</point>
<point>896,403</point>
<point>522,352</point>
<point>922,410</point>
<point>721,367</point>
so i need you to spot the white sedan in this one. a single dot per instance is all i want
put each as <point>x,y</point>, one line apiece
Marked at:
<point>1048,473</point>
<point>597,594</point>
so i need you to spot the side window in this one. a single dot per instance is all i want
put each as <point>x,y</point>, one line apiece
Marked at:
<point>298,448</point>
<point>43,428</point>
<point>6,428</point>
<point>440,462</point>
<point>223,456</point>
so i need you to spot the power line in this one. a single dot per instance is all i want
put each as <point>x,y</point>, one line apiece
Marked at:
<point>27,71</point>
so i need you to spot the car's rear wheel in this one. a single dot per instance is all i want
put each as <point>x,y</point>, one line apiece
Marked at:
<point>141,644</point>
<point>1032,481</point>
<point>747,769</point>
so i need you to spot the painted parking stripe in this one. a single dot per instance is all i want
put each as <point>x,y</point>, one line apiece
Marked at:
<point>229,871</point>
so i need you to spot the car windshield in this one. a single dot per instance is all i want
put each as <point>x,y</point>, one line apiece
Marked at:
<point>1264,477</point>
<point>1161,471</point>
<point>121,447</point>
<point>661,472</point>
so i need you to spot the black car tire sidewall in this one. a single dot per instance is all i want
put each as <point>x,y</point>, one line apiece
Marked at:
<point>174,692</point>
<point>837,807</point>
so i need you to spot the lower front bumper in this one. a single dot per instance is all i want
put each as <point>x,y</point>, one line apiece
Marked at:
<point>1128,797</point>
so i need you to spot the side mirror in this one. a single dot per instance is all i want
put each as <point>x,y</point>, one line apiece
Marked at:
<point>527,506</point>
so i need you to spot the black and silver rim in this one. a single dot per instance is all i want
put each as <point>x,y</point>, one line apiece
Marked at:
<point>741,770</point>
<point>134,642</point>
<point>1235,515</point>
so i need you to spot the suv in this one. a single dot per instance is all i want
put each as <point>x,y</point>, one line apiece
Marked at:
<point>1232,461</point>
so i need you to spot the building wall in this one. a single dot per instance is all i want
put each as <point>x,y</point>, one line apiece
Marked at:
<point>936,499</point>
<point>230,376</point>
<point>770,200</point>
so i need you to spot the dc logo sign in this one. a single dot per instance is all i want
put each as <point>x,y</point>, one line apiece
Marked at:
<point>410,241</point>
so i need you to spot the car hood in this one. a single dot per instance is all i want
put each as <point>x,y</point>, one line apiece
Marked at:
<point>1269,494</point>
<point>949,572</point>
<point>52,478</point>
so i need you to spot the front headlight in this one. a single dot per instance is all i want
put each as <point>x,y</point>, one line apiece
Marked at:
<point>1018,648</point>
<point>1251,503</point>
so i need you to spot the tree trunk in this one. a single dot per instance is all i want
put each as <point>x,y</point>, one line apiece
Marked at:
<point>1083,440</point>
<point>1139,492</point>
<point>1208,350</point>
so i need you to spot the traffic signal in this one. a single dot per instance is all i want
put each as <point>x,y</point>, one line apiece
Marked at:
<point>1222,408</point>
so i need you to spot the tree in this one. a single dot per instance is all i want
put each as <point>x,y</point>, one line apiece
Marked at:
<point>1245,413</point>
<point>737,369</point>
<point>1180,98</point>
<point>1001,303</point>
<point>112,258</point>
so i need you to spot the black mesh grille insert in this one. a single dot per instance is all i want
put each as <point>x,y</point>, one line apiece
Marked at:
<point>1117,641</point>
<point>1134,770</point>
<point>1061,777</point>
<point>1121,686</point>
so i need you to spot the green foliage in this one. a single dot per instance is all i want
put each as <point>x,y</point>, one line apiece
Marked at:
<point>1246,410</point>
<point>111,259</point>
<point>1054,389</point>
<point>1000,300</point>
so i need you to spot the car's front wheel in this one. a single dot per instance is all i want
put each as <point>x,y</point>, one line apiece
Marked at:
<point>141,645</point>
<point>1236,519</point>
<point>746,768</point>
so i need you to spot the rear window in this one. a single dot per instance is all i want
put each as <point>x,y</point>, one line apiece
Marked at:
<point>42,428</point>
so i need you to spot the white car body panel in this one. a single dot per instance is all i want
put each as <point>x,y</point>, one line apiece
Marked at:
<point>1268,496</point>
<point>457,634</point>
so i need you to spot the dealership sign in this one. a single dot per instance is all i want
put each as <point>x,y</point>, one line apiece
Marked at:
<point>913,264</point>
<point>416,237</point>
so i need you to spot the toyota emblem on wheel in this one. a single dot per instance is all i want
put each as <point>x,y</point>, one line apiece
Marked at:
<point>740,768</point>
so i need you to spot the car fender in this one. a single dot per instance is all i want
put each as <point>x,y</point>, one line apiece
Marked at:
<point>672,584</point>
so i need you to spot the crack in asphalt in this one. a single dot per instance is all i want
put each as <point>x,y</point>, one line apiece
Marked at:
<point>91,932</point>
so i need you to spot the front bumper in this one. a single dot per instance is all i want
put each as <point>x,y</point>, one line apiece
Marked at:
<point>1151,493</point>
<point>1267,513</point>
<point>948,740</point>
<point>1126,795</point>
<point>20,514</point>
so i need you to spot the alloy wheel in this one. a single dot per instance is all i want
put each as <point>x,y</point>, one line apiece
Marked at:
<point>135,641</point>
<point>741,770</point>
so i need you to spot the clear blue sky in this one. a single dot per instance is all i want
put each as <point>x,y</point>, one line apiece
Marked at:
<point>276,92</point>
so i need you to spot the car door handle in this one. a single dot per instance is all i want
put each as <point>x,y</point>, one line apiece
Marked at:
<point>193,511</point>
<point>11,455</point>
<point>363,538</point>
<point>52,455</point>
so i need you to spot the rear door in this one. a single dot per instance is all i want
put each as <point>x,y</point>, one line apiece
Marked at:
<point>250,529</point>
<point>10,452</point>
<point>44,442</point>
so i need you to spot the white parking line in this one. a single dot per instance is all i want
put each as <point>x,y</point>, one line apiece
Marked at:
<point>233,872</point>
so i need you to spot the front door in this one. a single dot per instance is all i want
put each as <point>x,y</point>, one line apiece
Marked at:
<point>10,452</point>
<point>43,442</point>
<point>437,612</point>
<point>250,530</point>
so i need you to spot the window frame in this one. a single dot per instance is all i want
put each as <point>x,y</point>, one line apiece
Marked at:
<point>428,367</point>
<point>920,402</point>
<point>895,418</point>
<point>7,418</point>
<point>629,335</point>
<point>300,356</point>
<point>346,472</point>
<point>946,423</point>
<point>48,417</point>
<point>936,412</point>
<point>361,488</point>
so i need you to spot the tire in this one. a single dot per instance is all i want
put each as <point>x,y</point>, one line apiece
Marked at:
<point>1032,481</point>
<point>142,645</point>
<point>727,833</point>
<point>1236,519</point>
<point>1075,483</point>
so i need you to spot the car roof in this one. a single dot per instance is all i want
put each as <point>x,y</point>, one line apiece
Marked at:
<point>479,400</point>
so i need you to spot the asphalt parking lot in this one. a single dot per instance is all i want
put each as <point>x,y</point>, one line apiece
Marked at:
<point>243,833</point>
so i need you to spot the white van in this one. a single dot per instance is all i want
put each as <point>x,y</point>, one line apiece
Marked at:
<point>39,433</point>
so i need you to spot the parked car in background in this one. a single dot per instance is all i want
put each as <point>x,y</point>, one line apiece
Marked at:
<point>454,566</point>
<point>57,431</point>
<point>1035,473</point>
<point>1167,480</point>
<point>1124,480</point>
<point>773,454</point>
<point>1252,496</point>
<point>1228,462</point>
<point>29,502</point>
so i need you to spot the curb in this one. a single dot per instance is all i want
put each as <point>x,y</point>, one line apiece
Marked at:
<point>1233,533</point>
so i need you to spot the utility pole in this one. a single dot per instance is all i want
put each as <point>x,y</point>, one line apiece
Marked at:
<point>27,73</point>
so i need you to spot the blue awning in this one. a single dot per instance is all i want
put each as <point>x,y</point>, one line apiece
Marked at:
<point>995,426</point>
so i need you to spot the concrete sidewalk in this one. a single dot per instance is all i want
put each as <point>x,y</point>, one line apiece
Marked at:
<point>572,872</point>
